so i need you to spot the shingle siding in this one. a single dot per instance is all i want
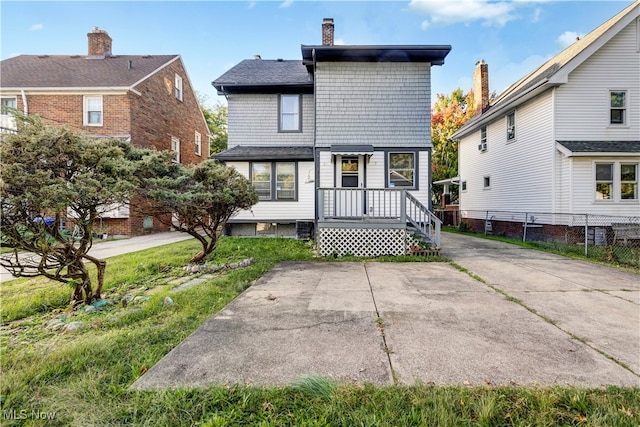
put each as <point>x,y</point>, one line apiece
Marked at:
<point>253,120</point>
<point>383,104</point>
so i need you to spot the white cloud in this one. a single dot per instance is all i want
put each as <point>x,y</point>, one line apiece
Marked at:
<point>285,4</point>
<point>568,38</point>
<point>36,27</point>
<point>444,12</point>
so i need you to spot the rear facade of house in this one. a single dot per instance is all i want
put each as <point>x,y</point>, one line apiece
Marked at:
<point>337,144</point>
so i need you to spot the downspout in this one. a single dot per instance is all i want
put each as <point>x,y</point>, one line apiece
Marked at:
<point>25,107</point>
<point>316,159</point>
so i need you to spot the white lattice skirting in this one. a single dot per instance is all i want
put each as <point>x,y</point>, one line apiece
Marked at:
<point>363,242</point>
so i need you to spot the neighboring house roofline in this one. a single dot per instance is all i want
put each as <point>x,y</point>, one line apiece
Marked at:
<point>553,72</point>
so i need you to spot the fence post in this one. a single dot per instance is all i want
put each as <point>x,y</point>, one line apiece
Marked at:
<point>524,232</point>
<point>586,235</point>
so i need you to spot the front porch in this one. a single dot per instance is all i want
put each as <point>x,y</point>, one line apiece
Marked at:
<point>373,222</point>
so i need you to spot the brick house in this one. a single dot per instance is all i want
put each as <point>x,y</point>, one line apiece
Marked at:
<point>337,144</point>
<point>145,99</point>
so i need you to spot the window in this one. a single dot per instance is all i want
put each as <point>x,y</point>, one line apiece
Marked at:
<point>464,185</point>
<point>290,118</point>
<point>616,181</point>
<point>92,111</point>
<point>284,185</point>
<point>401,169</point>
<point>629,181</point>
<point>175,147</point>
<point>618,104</point>
<point>198,143</point>
<point>486,182</point>
<point>511,126</point>
<point>178,87</point>
<point>8,102</point>
<point>483,139</point>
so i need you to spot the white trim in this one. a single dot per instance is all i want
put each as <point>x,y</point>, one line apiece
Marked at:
<point>176,150</point>
<point>178,87</point>
<point>197,140</point>
<point>154,72</point>
<point>70,90</point>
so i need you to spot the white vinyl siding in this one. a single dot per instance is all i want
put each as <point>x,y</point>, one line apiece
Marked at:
<point>583,104</point>
<point>253,120</point>
<point>378,103</point>
<point>301,209</point>
<point>583,184</point>
<point>520,174</point>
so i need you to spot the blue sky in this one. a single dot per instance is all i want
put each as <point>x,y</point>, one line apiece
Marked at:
<point>513,37</point>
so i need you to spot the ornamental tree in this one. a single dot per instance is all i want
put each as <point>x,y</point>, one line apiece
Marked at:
<point>195,199</point>
<point>54,184</point>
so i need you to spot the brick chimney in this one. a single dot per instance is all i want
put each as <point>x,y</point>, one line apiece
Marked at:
<point>481,86</point>
<point>99,43</point>
<point>327,32</point>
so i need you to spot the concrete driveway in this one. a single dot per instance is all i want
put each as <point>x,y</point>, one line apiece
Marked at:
<point>533,318</point>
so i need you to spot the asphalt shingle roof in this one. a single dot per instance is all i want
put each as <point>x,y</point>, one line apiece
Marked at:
<point>602,146</point>
<point>248,152</point>
<point>262,72</point>
<point>64,71</point>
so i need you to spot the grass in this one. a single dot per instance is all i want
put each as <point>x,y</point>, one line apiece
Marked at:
<point>81,378</point>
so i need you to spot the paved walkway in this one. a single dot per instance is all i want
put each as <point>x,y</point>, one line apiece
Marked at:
<point>109,248</point>
<point>533,318</point>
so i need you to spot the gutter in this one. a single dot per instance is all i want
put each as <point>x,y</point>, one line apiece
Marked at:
<point>316,160</point>
<point>25,107</point>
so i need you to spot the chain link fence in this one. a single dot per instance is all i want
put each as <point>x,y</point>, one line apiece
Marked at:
<point>608,238</point>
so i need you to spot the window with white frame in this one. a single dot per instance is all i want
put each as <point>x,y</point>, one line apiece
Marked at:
<point>511,126</point>
<point>175,147</point>
<point>274,180</point>
<point>629,181</point>
<point>617,107</point>
<point>486,182</point>
<point>616,181</point>
<point>402,169</point>
<point>483,139</point>
<point>92,110</point>
<point>198,143</point>
<point>289,107</point>
<point>178,87</point>
<point>8,102</point>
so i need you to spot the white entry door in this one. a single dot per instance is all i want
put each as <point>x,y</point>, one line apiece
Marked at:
<point>350,177</point>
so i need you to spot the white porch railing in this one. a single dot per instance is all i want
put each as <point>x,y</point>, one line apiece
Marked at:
<point>384,204</point>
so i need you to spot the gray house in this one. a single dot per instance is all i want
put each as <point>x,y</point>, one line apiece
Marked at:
<point>337,145</point>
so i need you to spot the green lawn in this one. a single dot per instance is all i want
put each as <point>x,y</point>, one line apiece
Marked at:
<point>82,377</point>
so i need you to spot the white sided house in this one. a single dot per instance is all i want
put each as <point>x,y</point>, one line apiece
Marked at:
<point>564,138</point>
<point>337,145</point>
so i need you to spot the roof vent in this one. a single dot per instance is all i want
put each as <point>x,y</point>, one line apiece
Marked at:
<point>279,59</point>
<point>257,57</point>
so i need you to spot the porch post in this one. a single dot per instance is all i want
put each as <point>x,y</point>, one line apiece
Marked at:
<point>403,206</point>
<point>320,204</point>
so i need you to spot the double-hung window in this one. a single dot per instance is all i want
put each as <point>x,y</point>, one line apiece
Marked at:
<point>617,107</point>
<point>616,181</point>
<point>289,108</point>
<point>175,147</point>
<point>511,126</point>
<point>8,103</point>
<point>402,168</point>
<point>198,143</point>
<point>92,110</point>
<point>483,139</point>
<point>274,180</point>
<point>178,87</point>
